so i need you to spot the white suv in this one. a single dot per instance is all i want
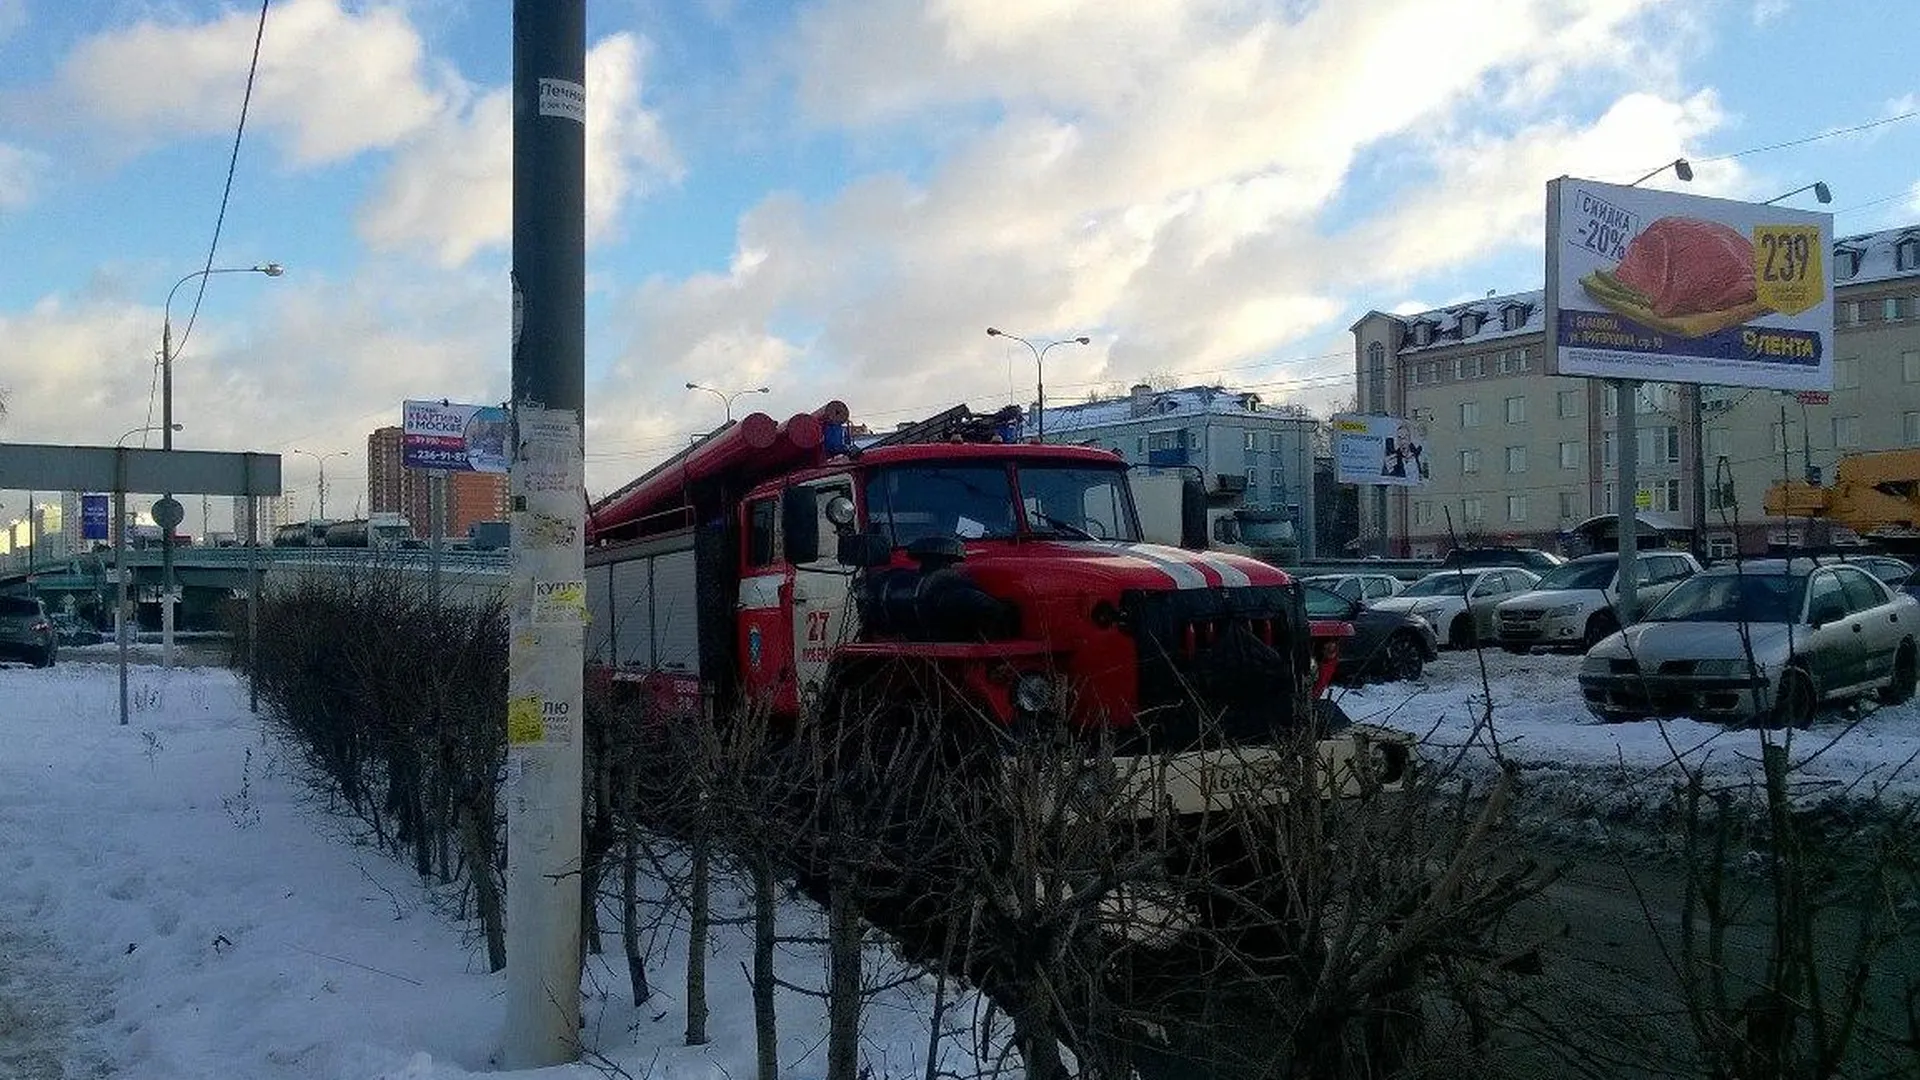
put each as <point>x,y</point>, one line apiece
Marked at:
<point>1573,605</point>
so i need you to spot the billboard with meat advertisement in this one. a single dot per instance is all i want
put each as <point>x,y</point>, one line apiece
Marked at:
<point>1645,284</point>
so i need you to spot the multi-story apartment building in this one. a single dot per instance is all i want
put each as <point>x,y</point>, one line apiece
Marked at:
<point>1520,456</point>
<point>1240,445</point>
<point>394,488</point>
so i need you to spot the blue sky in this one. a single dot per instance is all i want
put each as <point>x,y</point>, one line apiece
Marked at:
<point>834,198</point>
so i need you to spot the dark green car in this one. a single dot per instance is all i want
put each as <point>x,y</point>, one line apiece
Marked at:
<point>25,631</point>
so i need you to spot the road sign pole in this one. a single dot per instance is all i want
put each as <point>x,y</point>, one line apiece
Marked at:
<point>120,572</point>
<point>546,648</point>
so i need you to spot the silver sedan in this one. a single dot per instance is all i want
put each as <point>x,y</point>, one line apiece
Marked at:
<point>1768,641</point>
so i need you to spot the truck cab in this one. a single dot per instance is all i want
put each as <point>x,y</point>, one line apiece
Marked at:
<point>1019,571</point>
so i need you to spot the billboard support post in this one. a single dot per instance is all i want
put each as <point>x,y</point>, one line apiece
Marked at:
<point>1626,436</point>
<point>436,530</point>
<point>547,588</point>
<point>1697,435</point>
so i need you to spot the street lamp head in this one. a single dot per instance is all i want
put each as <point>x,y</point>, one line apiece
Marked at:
<point>271,269</point>
<point>760,390</point>
<point>1822,192</point>
<point>1084,340</point>
<point>1683,169</point>
<point>992,332</point>
<point>693,386</point>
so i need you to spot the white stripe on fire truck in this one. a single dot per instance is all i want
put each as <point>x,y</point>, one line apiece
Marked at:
<point>1185,574</point>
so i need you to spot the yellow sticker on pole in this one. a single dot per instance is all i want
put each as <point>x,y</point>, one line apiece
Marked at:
<point>524,722</point>
<point>1786,267</point>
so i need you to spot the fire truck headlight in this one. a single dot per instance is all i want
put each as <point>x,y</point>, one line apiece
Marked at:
<point>1035,694</point>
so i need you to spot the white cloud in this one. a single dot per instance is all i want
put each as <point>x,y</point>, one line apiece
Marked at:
<point>449,191</point>
<point>316,365</point>
<point>19,176</point>
<point>1174,178</point>
<point>334,79</point>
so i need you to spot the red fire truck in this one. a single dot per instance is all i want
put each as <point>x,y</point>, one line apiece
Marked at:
<point>779,563</point>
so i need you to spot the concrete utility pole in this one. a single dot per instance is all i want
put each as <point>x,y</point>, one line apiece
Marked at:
<point>546,648</point>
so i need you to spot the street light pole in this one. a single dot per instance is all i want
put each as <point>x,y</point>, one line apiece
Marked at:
<point>167,427</point>
<point>120,557</point>
<point>726,399</point>
<point>1039,371</point>
<point>322,459</point>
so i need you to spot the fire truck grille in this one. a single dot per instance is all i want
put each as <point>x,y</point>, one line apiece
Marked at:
<point>1216,666</point>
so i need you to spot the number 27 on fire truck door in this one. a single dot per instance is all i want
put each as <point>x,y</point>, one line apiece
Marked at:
<point>822,613</point>
<point>766,640</point>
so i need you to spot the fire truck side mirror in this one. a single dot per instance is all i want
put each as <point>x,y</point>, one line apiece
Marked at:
<point>1193,515</point>
<point>800,525</point>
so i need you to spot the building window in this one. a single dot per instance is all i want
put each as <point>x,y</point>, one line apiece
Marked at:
<point>1569,507</point>
<point>1423,513</point>
<point>1516,508</point>
<point>1516,459</point>
<point>1890,309</point>
<point>1672,491</point>
<point>1279,481</point>
<point>1472,367</point>
<point>1433,372</point>
<point>1253,485</point>
<point>1469,461</point>
<point>1376,376</point>
<point>1607,442</point>
<point>1609,497</point>
<point>1718,441</point>
<point>1469,414</point>
<point>1513,316</point>
<point>1276,443</point>
<point>1174,439</point>
<point>1422,333</point>
<point>1910,427</point>
<point>1516,410</point>
<point>1720,546</point>
<point>1906,254</point>
<point>1846,263</point>
<point>1251,441</point>
<point>1567,403</point>
<point>1846,372</point>
<point>1471,511</point>
<point>1659,445</point>
<point>1720,496</point>
<point>1569,455</point>
<point>1609,401</point>
<point>1850,313</point>
<point>1910,366</point>
<point>1846,432</point>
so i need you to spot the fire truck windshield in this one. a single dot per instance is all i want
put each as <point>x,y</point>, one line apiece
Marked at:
<point>976,502</point>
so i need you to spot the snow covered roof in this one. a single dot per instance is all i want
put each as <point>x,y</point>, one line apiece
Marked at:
<point>1145,405</point>
<point>1873,257</point>
<point>1478,320</point>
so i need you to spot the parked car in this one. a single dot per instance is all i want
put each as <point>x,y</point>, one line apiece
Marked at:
<point>1460,603</point>
<point>1530,558</point>
<point>1889,570</point>
<point>1386,646</point>
<point>1573,606</point>
<point>1767,641</point>
<point>1362,587</point>
<point>73,630</point>
<point>25,631</point>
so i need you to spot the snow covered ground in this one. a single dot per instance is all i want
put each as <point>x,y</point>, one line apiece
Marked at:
<point>173,904</point>
<point>1539,721</point>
